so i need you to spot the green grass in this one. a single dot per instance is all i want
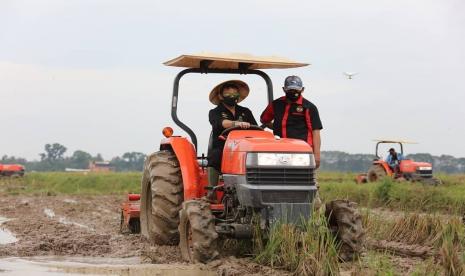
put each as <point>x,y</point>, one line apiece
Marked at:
<point>376,263</point>
<point>72,183</point>
<point>447,198</point>
<point>310,250</point>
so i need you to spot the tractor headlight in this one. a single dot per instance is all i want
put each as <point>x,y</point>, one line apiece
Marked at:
<point>425,168</point>
<point>280,159</point>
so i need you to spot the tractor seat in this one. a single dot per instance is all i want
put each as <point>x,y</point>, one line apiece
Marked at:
<point>203,162</point>
<point>210,142</point>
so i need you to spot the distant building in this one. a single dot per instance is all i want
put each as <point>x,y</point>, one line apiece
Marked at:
<point>100,166</point>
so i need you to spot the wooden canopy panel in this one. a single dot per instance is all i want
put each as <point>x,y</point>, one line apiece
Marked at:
<point>394,141</point>
<point>233,61</point>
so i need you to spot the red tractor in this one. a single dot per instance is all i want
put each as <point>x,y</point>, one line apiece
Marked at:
<point>406,169</point>
<point>12,170</point>
<point>263,176</point>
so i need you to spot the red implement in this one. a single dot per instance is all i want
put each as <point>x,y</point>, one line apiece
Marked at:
<point>130,213</point>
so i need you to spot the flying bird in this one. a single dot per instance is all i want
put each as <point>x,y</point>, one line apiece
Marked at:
<point>349,75</point>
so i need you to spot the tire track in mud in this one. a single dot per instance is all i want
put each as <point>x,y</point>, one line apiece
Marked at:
<point>35,221</point>
<point>69,226</point>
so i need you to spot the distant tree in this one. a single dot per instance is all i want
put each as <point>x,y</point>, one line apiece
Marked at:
<point>98,157</point>
<point>13,160</point>
<point>130,161</point>
<point>421,157</point>
<point>53,152</point>
<point>80,159</point>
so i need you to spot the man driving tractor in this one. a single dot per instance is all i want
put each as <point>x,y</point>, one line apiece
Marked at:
<point>227,114</point>
<point>393,160</point>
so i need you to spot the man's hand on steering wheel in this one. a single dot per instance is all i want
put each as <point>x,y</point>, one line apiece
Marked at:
<point>243,125</point>
<point>225,132</point>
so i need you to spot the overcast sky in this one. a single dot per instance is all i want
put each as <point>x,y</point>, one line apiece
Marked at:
<point>89,74</point>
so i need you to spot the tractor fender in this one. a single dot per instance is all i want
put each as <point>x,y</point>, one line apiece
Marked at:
<point>187,158</point>
<point>385,166</point>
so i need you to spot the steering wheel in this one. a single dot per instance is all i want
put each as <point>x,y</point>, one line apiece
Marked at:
<point>225,132</point>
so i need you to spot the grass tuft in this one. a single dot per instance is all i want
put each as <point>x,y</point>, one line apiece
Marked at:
<point>310,250</point>
<point>55,183</point>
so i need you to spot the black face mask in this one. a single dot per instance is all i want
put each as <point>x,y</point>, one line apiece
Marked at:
<point>292,96</point>
<point>230,101</point>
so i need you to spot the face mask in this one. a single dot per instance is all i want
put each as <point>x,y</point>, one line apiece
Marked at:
<point>230,101</point>
<point>292,96</point>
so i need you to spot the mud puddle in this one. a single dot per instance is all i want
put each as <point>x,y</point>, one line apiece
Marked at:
<point>6,236</point>
<point>94,266</point>
<point>51,214</point>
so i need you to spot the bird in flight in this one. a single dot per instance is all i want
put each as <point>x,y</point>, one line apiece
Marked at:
<point>349,75</point>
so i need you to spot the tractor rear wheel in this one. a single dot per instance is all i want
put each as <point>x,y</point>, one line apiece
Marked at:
<point>198,237</point>
<point>345,223</point>
<point>161,198</point>
<point>375,173</point>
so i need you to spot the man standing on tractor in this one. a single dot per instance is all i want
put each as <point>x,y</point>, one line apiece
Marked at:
<point>393,160</point>
<point>227,114</point>
<point>293,116</point>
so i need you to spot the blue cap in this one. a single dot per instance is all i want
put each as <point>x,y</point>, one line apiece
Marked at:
<point>293,82</point>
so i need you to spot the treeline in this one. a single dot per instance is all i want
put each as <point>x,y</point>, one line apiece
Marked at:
<point>53,159</point>
<point>341,161</point>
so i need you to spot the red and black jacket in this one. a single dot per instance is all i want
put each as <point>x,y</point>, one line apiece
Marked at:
<point>293,119</point>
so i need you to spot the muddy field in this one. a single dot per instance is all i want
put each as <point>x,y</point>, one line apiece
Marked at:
<point>61,231</point>
<point>85,229</point>
<point>46,224</point>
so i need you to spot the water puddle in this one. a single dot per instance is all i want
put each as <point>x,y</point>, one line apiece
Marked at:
<point>51,214</point>
<point>6,236</point>
<point>69,200</point>
<point>96,266</point>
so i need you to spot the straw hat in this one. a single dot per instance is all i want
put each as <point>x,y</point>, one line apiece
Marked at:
<point>243,91</point>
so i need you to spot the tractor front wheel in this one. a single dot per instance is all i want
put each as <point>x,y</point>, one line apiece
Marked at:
<point>431,181</point>
<point>198,237</point>
<point>375,173</point>
<point>345,223</point>
<point>161,198</point>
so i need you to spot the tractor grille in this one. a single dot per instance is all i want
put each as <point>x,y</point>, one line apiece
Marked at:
<point>425,173</point>
<point>285,197</point>
<point>280,176</point>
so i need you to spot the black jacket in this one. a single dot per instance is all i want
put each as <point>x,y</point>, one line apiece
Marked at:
<point>216,117</point>
<point>293,120</point>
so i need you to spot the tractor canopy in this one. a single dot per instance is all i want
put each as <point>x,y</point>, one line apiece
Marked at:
<point>232,61</point>
<point>392,141</point>
<point>205,63</point>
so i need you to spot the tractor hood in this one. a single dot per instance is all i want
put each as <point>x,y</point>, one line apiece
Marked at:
<point>263,141</point>
<point>410,166</point>
<point>422,164</point>
<point>11,167</point>
<point>241,142</point>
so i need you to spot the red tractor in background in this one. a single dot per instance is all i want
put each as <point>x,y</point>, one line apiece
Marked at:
<point>12,170</point>
<point>407,169</point>
<point>263,176</point>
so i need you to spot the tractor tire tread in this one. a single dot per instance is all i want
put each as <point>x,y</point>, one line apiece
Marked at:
<point>375,173</point>
<point>198,215</point>
<point>346,224</point>
<point>160,213</point>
